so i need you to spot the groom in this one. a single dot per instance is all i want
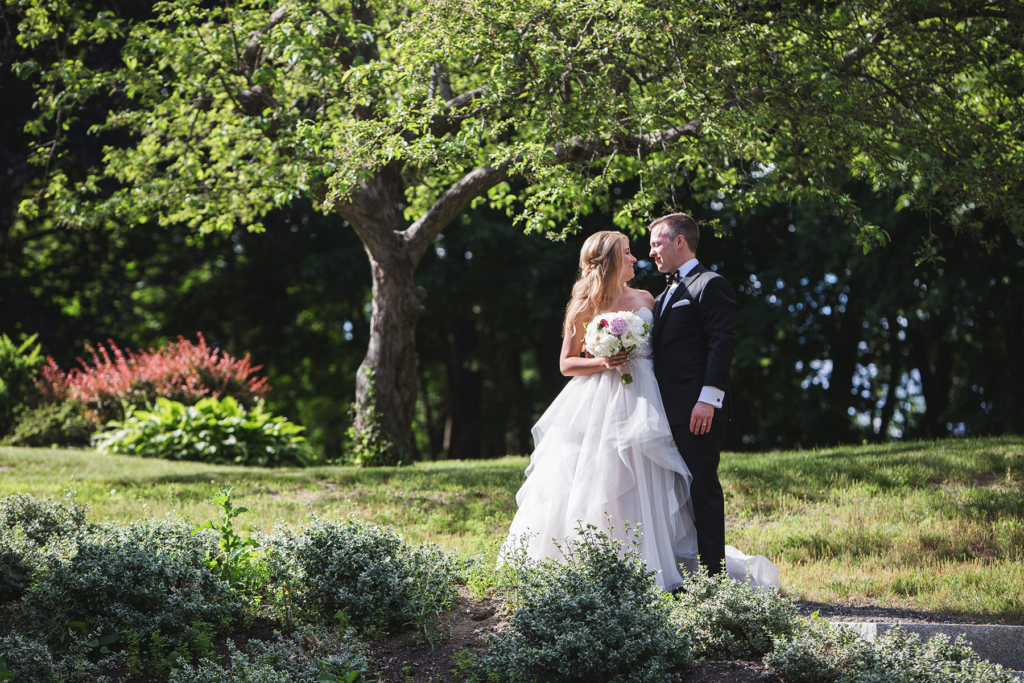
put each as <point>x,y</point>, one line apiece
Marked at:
<point>693,348</point>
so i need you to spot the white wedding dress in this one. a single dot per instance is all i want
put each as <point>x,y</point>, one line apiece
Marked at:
<point>604,456</point>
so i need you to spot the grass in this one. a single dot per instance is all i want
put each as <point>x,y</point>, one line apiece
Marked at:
<point>928,525</point>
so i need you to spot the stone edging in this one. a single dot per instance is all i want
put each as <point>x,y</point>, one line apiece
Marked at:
<point>998,644</point>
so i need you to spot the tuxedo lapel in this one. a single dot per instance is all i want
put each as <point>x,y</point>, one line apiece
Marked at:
<point>657,306</point>
<point>684,285</point>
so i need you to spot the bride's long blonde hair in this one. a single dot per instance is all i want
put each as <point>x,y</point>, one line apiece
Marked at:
<point>597,285</point>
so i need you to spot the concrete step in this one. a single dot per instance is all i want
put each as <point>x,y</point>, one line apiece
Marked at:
<point>998,644</point>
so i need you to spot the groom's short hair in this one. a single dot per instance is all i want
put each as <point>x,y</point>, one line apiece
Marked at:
<point>676,224</point>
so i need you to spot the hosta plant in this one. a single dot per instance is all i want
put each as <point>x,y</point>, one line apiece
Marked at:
<point>213,430</point>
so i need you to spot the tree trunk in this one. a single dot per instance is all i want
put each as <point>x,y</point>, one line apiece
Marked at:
<point>464,383</point>
<point>935,384</point>
<point>391,354</point>
<point>375,212</point>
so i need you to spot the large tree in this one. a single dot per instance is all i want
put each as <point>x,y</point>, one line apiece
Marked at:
<point>395,116</point>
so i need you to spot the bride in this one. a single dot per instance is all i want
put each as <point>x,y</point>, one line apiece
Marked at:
<point>604,451</point>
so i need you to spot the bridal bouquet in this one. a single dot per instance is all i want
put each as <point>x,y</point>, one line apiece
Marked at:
<point>612,333</point>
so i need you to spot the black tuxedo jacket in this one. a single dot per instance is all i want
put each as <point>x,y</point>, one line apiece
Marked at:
<point>693,342</point>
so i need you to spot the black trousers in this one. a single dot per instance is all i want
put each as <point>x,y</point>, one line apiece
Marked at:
<point>701,455</point>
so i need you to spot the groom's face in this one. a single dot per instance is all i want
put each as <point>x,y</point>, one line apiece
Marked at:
<point>668,252</point>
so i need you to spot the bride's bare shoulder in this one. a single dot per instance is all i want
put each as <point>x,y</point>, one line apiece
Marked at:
<point>641,298</point>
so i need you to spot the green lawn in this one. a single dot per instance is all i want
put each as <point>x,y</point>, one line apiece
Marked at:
<point>937,526</point>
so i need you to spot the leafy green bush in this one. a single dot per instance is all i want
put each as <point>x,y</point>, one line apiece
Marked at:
<point>599,616</point>
<point>213,430</point>
<point>308,655</point>
<point>146,582</point>
<point>61,424</point>
<point>27,660</point>
<point>368,576</point>
<point>31,529</point>
<point>730,620</point>
<point>19,558</point>
<point>820,652</point>
<point>43,519</point>
<point>30,661</point>
<point>18,366</point>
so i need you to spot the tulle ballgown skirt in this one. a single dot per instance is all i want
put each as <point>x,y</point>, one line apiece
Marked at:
<point>605,456</point>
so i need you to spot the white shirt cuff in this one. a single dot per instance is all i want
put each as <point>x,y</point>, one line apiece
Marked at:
<point>711,396</point>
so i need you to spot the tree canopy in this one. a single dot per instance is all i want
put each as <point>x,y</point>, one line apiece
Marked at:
<point>240,108</point>
<point>395,117</point>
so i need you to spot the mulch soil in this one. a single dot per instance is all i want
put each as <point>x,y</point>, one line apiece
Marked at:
<point>403,658</point>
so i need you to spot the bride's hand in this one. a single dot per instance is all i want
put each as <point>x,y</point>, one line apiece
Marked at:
<point>616,361</point>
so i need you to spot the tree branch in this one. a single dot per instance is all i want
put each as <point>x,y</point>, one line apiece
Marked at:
<point>250,56</point>
<point>420,234</point>
<point>581,149</point>
<point>445,123</point>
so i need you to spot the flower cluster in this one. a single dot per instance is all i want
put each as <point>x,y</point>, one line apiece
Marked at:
<point>611,333</point>
<point>181,371</point>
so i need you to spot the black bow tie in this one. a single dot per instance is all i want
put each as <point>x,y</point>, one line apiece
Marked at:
<point>672,278</point>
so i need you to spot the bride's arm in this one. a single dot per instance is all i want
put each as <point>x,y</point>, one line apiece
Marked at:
<point>572,344</point>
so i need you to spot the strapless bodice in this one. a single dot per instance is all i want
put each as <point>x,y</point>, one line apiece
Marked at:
<point>645,350</point>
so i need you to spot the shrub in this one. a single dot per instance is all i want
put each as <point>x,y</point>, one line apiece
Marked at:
<point>19,557</point>
<point>308,655</point>
<point>213,430</point>
<point>61,424</point>
<point>599,616</point>
<point>369,577</point>
<point>730,620</point>
<point>27,660</point>
<point>147,582</point>
<point>181,371</point>
<point>282,586</point>
<point>30,531</point>
<point>820,652</point>
<point>43,519</point>
<point>18,365</point>
<point>31,661</point>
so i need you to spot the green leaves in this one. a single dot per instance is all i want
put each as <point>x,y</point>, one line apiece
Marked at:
<point>213,430</point>
<point>237,110</point>
<point>235,554</point>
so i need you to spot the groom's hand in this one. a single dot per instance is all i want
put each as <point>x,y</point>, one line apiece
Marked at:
<point>700,418</point>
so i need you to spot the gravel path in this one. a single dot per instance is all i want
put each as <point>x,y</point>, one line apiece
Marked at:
<point>874,613</point>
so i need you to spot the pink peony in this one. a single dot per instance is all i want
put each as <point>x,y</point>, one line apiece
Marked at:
<point>618,326</point>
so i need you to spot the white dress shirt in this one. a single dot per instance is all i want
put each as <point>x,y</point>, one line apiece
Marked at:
<point>710,395</point>
<point>683,271</point>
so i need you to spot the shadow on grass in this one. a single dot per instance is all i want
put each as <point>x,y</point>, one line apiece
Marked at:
<point>814,475</point>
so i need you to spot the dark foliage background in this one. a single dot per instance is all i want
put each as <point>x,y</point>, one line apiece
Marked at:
<point>834,345</point>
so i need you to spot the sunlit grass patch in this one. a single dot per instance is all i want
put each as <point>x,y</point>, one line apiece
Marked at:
<point>936,526</point>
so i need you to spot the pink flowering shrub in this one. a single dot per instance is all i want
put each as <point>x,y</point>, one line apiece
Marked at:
<point>181,371</point>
